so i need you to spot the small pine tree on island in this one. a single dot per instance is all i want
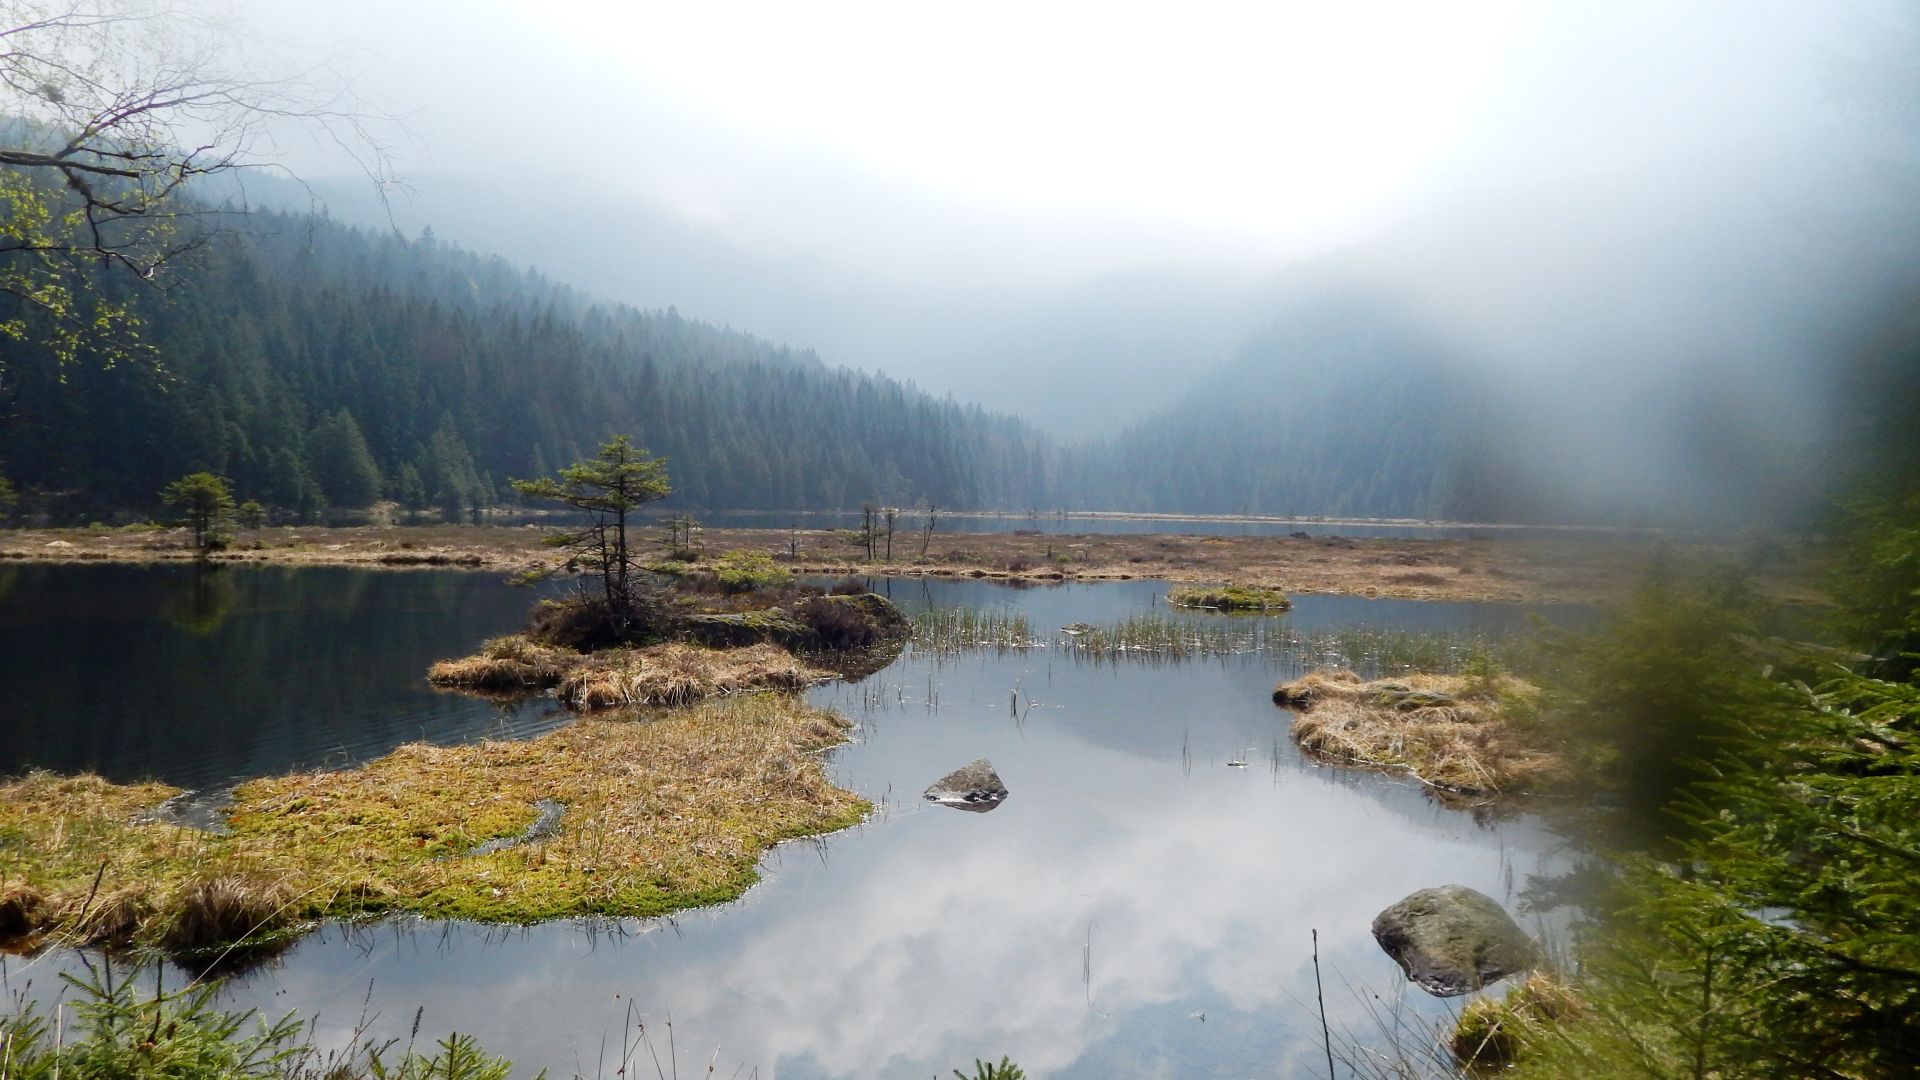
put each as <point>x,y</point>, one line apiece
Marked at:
<point>608,487</point>
<point>206,503</point>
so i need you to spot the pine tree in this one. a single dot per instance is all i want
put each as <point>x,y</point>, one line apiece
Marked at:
<point>608,488</point>
<point>206,502</point>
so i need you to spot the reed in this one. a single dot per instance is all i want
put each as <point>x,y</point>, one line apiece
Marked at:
<point>1155,637</point>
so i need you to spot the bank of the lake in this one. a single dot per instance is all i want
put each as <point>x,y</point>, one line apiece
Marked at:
<point>1492,570</point>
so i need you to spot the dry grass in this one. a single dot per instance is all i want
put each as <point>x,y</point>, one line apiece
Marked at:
<point>1504,569</point>
<point>506,663</point>
<point>677,674</point>
<point>1454,732</point>
<point>670,674</point>
<point>1490,1032</point>
<point>663,811</point>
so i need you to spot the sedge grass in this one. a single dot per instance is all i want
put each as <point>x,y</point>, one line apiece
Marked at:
<point>1453,732</point>
<point>663,812</point>
<point>1153,637</point>
<point>674,673</point>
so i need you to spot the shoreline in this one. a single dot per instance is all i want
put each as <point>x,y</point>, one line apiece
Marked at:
<point>1500,570</point>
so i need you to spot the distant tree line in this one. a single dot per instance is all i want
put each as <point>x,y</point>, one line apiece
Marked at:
<point>316,365</point>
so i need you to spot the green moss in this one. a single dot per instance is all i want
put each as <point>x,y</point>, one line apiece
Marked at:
<point>665,814</point>
<point>1231,598</point>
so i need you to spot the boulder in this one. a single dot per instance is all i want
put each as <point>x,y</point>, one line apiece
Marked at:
<point>1453,940</point>
<point>974,786</point>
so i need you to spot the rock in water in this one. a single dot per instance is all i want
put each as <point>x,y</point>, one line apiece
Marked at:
<point>1453,940</point>
<point>974,787</point>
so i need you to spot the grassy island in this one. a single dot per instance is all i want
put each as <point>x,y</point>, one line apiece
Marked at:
<point>1230,598</point>
<point>657,812</point>
<point>1457,733</point>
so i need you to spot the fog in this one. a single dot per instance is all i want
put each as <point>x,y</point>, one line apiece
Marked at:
<point>1067,211</point>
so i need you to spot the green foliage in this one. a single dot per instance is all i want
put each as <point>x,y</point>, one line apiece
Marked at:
<point>121,1033</point>
<point>1878,583</point>
<point>1783,938</point>
<point>176,1035</point>
<point>986,1070</point>
<point>61,308</point>
<point>461,370</point>
<point>205,503</point>
<point>342,463</point>
<point>459,1058</point>
<point>1668,683</point>
<point>9,498</point>
<point>1231,598</point>
<point>746,571</point>
<point>608,488</point>
<point>683,538</point>
<point>250,515</point>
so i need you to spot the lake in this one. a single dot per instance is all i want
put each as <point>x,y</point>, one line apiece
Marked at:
<point>1136,907</point>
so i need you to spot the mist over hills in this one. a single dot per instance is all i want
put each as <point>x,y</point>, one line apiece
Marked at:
<point>1663,346</point>
<point>1072,353</point>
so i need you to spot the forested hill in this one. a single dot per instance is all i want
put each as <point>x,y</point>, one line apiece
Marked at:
<point>1341,406</point>
<point>314,364</point>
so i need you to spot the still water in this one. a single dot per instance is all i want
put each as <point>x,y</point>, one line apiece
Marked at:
<point>1137,906</point>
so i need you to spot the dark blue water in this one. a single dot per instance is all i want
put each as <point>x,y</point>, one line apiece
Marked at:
<point>199,675</point>
<point>1136,907</point>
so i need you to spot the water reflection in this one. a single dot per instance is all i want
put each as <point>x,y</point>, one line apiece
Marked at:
<point>1143,907</point>
<point>198,675</point>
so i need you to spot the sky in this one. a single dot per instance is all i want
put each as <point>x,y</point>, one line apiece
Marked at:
<point>999,199</point>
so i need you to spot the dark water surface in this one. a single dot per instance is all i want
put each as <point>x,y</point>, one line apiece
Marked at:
<point>1137,906</point>
<point>201,675</point>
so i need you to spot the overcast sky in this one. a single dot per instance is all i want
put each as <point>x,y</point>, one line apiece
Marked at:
<point>1059,201</point>
<point>1076,135</point>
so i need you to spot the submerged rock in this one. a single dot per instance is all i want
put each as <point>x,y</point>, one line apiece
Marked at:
<point>1453,940</point>
<point>974,786</point>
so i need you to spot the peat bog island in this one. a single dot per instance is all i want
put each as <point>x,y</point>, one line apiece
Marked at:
<point>814,543</point>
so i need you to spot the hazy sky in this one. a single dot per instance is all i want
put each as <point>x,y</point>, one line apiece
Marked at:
<point>1001,200</point>
<point>1084,134</point>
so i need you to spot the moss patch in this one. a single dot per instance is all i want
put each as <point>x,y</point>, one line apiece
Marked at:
<point>1230,598</point>
<point>1459,733</point>
<point>664,811</point>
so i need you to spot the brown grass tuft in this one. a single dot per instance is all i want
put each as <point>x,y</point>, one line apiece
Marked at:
<point>111,918</point>
<point>505,663</point>
<point>678,674</point>
<point>1490,1033</point>
<point>217,911</point>
<point>1454,732</point>
<point>21,909</point>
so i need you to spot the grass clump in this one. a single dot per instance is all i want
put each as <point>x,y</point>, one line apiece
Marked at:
<point>506,663</point>
<point>116,1033</point>
<point>1453,732</point>
<point>747,571</point>
<point>662,813</point>
<point>1230,598</point>
<point>671,674</point>
<point>1490,1034</point>
<point>677,674</point>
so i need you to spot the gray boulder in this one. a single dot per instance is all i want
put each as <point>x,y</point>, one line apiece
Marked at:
<point>974,786</point>
<point>1453,940</point>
